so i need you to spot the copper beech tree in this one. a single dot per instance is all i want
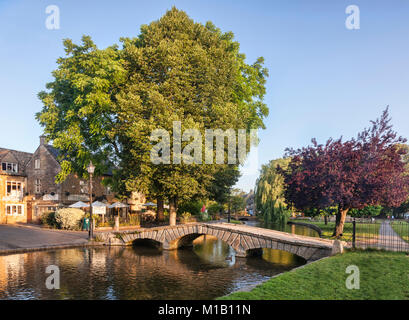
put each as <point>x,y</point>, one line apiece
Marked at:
<point>366,170</point>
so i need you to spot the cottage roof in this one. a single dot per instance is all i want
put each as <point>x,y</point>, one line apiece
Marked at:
<point>56,153</point>
<point>21,157</point>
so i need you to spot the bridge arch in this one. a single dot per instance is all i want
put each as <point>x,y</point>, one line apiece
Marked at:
<point>254,244</point>
<point>184,237</point>
<point>147,242</point>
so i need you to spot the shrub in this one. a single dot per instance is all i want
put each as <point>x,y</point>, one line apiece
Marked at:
<point>148,216</point>
<point>108,223</point>
<point>134,220</point>
<point>185,217</point>
<point>48,219</point>
<point>193,207</point>
<point>204,216</point>
<point>97,218</point>
<point>369,211</point>
<point>215,209</point>
<point>69,218</point>
<point>215,216</point>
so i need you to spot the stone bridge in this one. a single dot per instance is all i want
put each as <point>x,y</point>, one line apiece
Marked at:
<point>245,240</point>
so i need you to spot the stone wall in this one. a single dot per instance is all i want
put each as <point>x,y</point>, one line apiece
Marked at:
<point>49,168</point>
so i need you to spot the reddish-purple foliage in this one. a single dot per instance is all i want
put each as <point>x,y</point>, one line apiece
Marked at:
<point>356,173</point>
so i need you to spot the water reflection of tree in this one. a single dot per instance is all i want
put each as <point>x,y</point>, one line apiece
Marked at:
<point>214,251</point>
<point>163,271</point>
<point>294,229</point>
<point>127,273</point>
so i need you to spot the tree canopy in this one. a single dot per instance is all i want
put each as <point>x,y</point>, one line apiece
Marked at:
<point>269,191</point>
<point>104,104</point>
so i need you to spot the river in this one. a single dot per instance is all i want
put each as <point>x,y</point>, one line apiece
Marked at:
<point>207,271</point>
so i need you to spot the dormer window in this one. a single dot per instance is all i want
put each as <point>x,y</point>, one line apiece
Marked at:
<point>9,167</point>
<point>37,164</point>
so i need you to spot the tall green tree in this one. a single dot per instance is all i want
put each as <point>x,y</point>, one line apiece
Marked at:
<point>269,191</point>
<point>220,188</point>
<point>368,211</point>
<point>104,104</point>
<point>192,73</point>
<point>236,201</point>
<point>79,113</point>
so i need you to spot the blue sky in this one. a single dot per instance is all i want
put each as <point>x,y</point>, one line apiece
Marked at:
<point>325,80</point>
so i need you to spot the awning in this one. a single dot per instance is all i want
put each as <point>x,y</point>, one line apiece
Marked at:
<point>149,204</point>
<point>79,204</point>
<point>118,205</point>
<point>99,204</point>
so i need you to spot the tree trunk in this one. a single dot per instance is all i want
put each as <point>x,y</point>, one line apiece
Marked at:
<point>229,213</point>
<point>160,216</point>
<point>339,222</point>
<point>172,211</point>
<point>326,219</point>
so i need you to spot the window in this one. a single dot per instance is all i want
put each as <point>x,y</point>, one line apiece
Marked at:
<point>38,186</point>
<point>9,167</point>
<point>83,186</point>
<point>14,209</point>
<point>37,164</point>
<point>13,187</point>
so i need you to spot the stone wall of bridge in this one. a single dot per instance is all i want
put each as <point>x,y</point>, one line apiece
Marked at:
<point>245,240</point>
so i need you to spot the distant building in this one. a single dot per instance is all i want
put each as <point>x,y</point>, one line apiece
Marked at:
<point>250,205</point>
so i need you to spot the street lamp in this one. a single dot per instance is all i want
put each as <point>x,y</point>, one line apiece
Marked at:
<point>90,169</point>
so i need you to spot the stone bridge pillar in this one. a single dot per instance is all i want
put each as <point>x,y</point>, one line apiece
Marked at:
<point>240,253</point>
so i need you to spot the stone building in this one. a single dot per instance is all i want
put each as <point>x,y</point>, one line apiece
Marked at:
<point>47,194</point>
<point>28,187</point>
<point>13,186</point>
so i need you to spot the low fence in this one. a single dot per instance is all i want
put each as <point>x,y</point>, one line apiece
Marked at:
<point>389,234</point>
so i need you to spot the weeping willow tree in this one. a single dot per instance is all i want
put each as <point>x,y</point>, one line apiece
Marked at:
<point>269,192</point>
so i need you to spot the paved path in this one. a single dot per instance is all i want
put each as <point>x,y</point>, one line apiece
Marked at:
<point>278,235</point>
<point>390,240</point>
<point>22,238</point>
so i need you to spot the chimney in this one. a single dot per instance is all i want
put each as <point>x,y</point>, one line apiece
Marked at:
<point>42,140</point>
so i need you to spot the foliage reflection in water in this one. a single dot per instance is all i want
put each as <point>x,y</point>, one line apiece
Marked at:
<point>208,271</point>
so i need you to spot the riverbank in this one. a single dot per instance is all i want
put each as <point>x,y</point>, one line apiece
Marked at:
<point>383,276</point>
<point>19,239</point>
<point>363,230</point>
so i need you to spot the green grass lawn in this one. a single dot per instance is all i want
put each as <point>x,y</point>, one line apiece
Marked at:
<point>383,276</point>
<point>235,221</point>
<point>402,229</point>
<point>365,231</point>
